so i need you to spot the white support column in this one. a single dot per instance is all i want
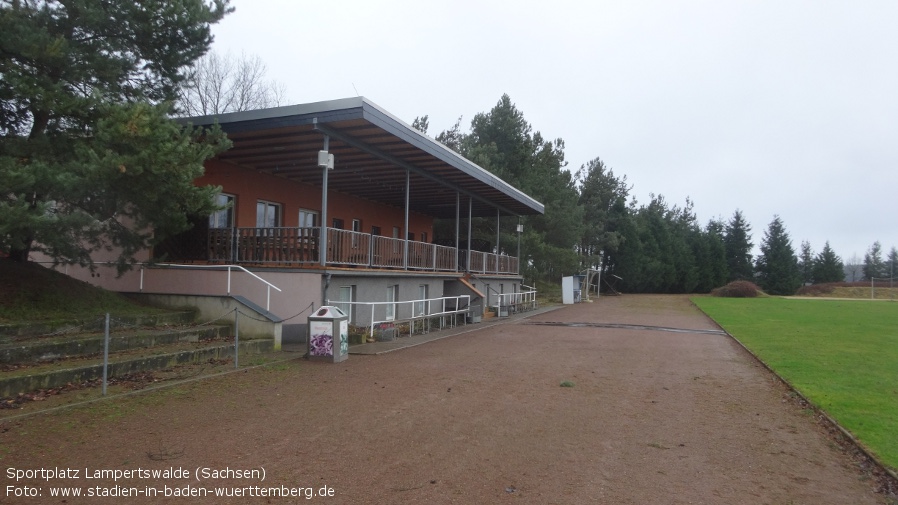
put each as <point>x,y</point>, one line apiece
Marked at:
<point>457,225</point>
<point>470,212</point>
<point>405,226</point>
<point>497,240</point>
<point>322,239</point>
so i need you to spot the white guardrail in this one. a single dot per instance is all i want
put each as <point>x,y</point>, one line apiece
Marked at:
<point>395,312</point>
<point>143,266</point>
<point>216,267</point>
<point>522,300</point>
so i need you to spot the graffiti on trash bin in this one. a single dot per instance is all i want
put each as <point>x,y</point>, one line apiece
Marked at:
<point>321,343</point>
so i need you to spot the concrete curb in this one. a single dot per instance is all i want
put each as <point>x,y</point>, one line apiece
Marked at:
<point>847,434</point>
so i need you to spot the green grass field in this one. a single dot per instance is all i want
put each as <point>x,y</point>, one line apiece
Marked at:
<point>842,355</point>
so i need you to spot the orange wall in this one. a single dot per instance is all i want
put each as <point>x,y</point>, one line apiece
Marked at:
<point>249,186</point>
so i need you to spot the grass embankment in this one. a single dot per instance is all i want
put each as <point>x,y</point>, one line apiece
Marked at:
<point>30,292</point>
<point>842,355</point>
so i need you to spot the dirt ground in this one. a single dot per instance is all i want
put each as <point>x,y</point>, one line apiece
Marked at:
<point>653,416</point>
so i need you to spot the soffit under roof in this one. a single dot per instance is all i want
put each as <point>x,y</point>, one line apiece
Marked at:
<point>372,150</point>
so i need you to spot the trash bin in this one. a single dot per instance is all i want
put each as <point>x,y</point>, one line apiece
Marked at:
<point>329,335</point>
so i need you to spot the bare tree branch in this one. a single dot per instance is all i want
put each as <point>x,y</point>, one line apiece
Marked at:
<point>220,84</point>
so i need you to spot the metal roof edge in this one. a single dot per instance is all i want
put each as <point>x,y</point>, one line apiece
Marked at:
<point>304,109</point>
<point>396,126</point>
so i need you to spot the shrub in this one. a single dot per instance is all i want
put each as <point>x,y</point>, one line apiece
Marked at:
<point>737,289</point>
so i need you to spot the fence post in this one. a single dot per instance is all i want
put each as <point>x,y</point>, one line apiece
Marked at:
<point>236,339</point>
<point>106,354</point>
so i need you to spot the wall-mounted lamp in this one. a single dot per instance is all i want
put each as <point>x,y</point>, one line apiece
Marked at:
<point>325,160</point>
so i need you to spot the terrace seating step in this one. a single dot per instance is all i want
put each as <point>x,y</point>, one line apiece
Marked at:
<point>15,380</point>
<point>14,331</point>
<point>34,350</point>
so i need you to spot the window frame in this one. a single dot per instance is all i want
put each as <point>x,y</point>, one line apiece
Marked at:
<point>229,212</point>
<point>261,221</point>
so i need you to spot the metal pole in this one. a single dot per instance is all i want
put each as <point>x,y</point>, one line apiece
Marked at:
<point>106,354</point>
<point>405,226</point>
<point>457,225</point>
<point>498,222</point>
<point>229,281</point>
<point>322,241</point>
<point>236,339</point>
<point>141,279</point>
<point>470,212</point>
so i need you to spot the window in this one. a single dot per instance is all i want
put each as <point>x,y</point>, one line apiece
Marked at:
<point>337,223</point>
<point>375,230</point>
<point>395,232</point>
<point>223,218</point>
<point>268,215</point>
<point>392,294</point>
<point>395,242</point>
<point>308,218</point>
<point>421,305</point>
<point>411,235</point>
<point>347,294</point>
<point>424,237</point>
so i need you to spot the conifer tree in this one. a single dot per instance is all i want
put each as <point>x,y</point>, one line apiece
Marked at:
<point>874,268</point>
<point>777,265</point>
<point>504,143</point>
<point>88,156</point>
<point>891,266</point>
<point>806,263</point>
<point>737,242</point>
<point>828,266</point>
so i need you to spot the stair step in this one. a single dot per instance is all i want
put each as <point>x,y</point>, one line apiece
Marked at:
<point>36,350</point>
<point>55,375</point>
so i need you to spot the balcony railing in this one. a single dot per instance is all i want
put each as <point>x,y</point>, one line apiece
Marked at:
<point>300,246</point>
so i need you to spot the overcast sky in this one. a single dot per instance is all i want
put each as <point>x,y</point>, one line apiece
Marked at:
<point>772,107</point>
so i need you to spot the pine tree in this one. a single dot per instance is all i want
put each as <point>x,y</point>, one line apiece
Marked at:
<point>806,263</point>
<point>874,268</point>
<point>737,243</point>
<point>88,156</point>
<point>828,267</point>
<point>504,143</point>
<point>715,269</point>
<point>891,266</point>
<point>600,191</point>
<point>777,265</point>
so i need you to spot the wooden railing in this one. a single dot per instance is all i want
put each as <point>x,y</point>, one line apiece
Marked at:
<point>300,246</point>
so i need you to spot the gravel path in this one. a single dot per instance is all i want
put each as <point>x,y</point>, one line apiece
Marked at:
<point>653,417</point>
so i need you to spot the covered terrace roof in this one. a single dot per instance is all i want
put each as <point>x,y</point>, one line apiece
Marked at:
<point>372,150</point>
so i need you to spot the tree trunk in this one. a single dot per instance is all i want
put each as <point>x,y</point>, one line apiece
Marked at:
<point>20,254</point>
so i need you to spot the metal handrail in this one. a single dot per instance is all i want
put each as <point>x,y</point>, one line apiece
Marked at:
<point>218,267</point>
<point>521,298</point>
<point>428,312</point>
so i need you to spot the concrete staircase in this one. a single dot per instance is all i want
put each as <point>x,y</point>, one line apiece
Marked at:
<point>41,356</point>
